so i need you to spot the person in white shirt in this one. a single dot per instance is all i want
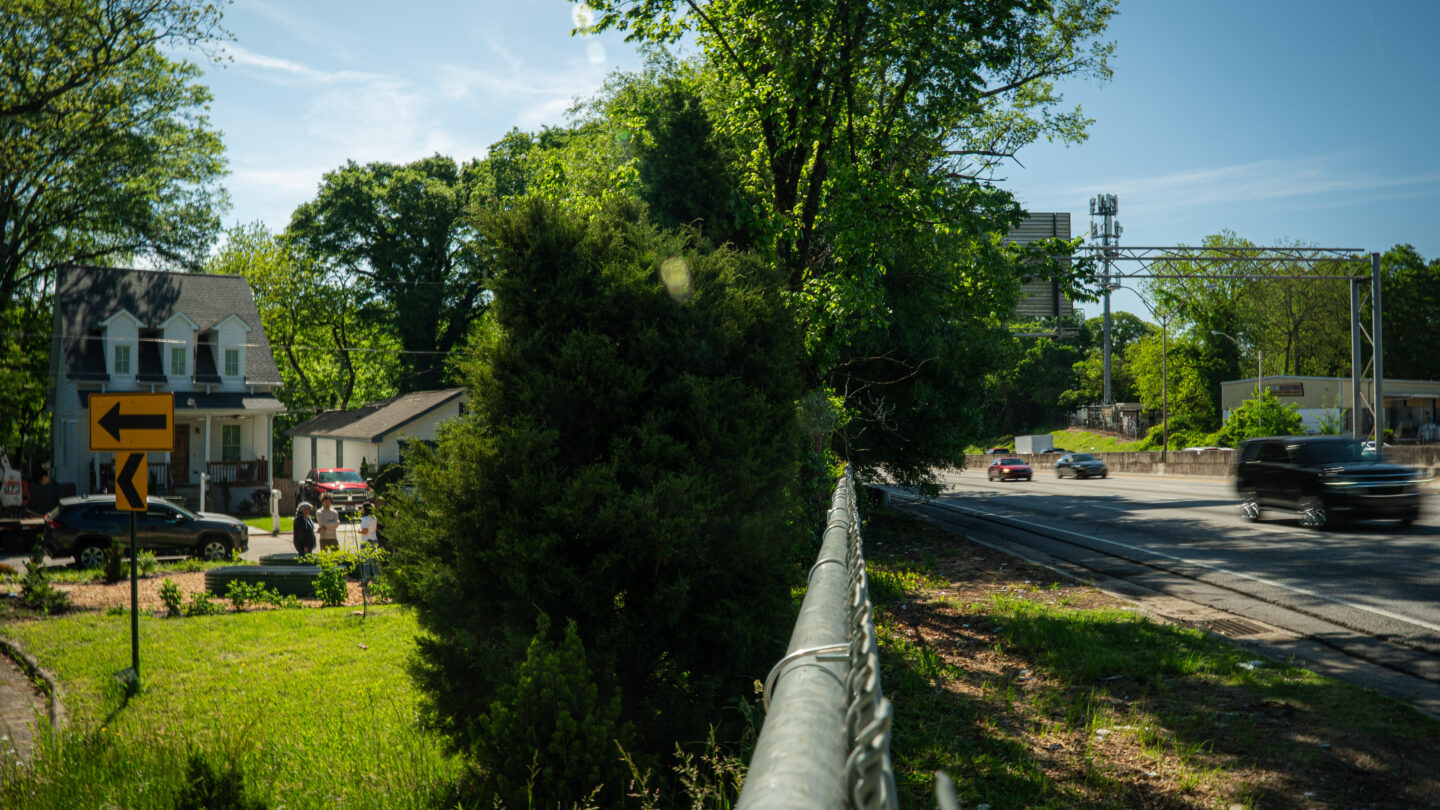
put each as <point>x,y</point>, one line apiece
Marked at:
<point>368,525</point>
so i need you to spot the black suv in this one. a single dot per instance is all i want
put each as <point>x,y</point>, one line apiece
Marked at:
<point>82,527</point>
<point>1325,479</point>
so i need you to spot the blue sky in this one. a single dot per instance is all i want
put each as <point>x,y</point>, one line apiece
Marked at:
<point>1282,120</point>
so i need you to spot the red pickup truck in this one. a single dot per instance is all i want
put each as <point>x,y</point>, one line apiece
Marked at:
<point>347,490</point>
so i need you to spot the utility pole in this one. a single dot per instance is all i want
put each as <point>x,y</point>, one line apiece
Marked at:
<point>1106,206</point>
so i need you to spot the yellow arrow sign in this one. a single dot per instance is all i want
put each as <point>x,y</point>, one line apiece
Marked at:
<point>132,482</point>
<point>132,421</point>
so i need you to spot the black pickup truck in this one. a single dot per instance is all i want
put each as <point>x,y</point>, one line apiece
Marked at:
<point>1324,479</point>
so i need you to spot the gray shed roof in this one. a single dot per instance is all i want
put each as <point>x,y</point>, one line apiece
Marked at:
<point>378,419</point>
<point>86,296</point>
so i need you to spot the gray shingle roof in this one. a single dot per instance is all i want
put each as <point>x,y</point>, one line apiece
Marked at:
<point>372,422</point>
<point>86,296</point>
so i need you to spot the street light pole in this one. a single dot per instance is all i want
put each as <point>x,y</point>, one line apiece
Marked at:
<point>1164,377</point>
<point>1259,358</point>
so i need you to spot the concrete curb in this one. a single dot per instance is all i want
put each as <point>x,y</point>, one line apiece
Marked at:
<point>32,668</point>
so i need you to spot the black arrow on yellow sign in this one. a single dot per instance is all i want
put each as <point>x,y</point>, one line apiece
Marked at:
<point>113,421</point>
<point>132,482</point>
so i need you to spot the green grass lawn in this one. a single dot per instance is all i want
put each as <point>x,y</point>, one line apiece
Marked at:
<point>1081,441</point>
<point>314,705</point>
<point>1072,440</point>
<point>267,524</point>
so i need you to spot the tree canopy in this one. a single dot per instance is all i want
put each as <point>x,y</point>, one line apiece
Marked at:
<point>332,349</point>
<point>866,138</point>
<point>403,236</point>
<point>106,155</point>
<point>105,149</point>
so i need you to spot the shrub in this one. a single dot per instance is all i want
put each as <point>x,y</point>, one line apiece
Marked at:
<point>242,593</point>
<point>1266,416</point>
<point>36,590</point>
<point>202,605</point>
<point>8,572</point>
<point>629,462</point>
<point>172,596</point>
<point>147,564</point>
<point>238,593</point>
<point>549,736</point>
<point>330,585</point>
<point>114,567</point>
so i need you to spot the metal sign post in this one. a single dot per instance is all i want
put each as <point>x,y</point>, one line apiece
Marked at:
<point>131,424</point>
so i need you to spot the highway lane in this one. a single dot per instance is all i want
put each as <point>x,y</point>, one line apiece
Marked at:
<point>1367,589</point>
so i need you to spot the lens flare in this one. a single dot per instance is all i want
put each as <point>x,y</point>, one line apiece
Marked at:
<point>676,275</point>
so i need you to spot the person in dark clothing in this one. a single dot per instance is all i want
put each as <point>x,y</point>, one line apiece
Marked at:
<point>304,531</point>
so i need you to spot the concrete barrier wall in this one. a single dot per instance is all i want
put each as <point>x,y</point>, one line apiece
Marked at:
<point>1213,463</point>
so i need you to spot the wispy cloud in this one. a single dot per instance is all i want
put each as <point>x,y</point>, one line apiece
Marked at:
<point>1316,181</point>
<point>286,70</point>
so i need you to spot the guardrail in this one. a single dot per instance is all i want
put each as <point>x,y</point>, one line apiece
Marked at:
<point>825,742</point>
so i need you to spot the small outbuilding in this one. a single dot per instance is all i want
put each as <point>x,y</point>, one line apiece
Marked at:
<point>375,434</point>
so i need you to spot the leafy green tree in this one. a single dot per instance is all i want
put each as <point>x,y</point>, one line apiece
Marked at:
<point>1028,393</point>
<point>628,462</point>
<point>1411,300</point>
<point>401,236</point>
<point>1191,404</point>
<point>105,155</point>
<point>1265,416</point>
<point>105,150</point>
<point>24,381</point>
<point>333,351</point>
<point>866,136</point>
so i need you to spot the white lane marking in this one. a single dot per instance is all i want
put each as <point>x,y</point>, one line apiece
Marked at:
<point>1111,508</point>
<point>1262,580</point>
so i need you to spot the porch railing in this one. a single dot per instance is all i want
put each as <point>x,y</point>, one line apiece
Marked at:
<point>158,475</point>
<point>237,472</point>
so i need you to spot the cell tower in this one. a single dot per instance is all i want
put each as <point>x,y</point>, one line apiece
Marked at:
<point>1108,231</point>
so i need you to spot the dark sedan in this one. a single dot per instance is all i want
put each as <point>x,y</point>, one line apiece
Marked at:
<point>1080,465</point>
<point>1004,469</point>
<point>83,527</point>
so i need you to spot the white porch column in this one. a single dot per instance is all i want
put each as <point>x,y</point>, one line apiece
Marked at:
<point>205,465</point>
<point>270,473</point>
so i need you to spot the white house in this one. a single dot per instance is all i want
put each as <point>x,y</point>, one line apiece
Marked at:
<point>374,434</point>
<point>196,336</point>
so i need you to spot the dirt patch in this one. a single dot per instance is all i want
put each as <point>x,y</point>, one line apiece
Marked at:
<point>99,596</point>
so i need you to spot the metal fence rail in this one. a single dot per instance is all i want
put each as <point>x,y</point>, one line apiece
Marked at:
<point>826,738</point>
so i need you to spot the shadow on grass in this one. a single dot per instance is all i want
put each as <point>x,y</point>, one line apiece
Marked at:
<point>1025,704</point>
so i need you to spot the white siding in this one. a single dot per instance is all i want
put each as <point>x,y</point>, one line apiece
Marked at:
<point>357,449</point>
<point>122,330</point>
<point>300,458</point>
<point>178,334</point>
<point>230,334</point>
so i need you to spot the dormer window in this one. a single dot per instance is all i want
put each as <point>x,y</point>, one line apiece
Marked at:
<point>232,362</point>
<point>122,360</point>
<point>177,361</point>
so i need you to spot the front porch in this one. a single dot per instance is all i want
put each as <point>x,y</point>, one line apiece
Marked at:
<point>235,486</point>
<point>222,443</point>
